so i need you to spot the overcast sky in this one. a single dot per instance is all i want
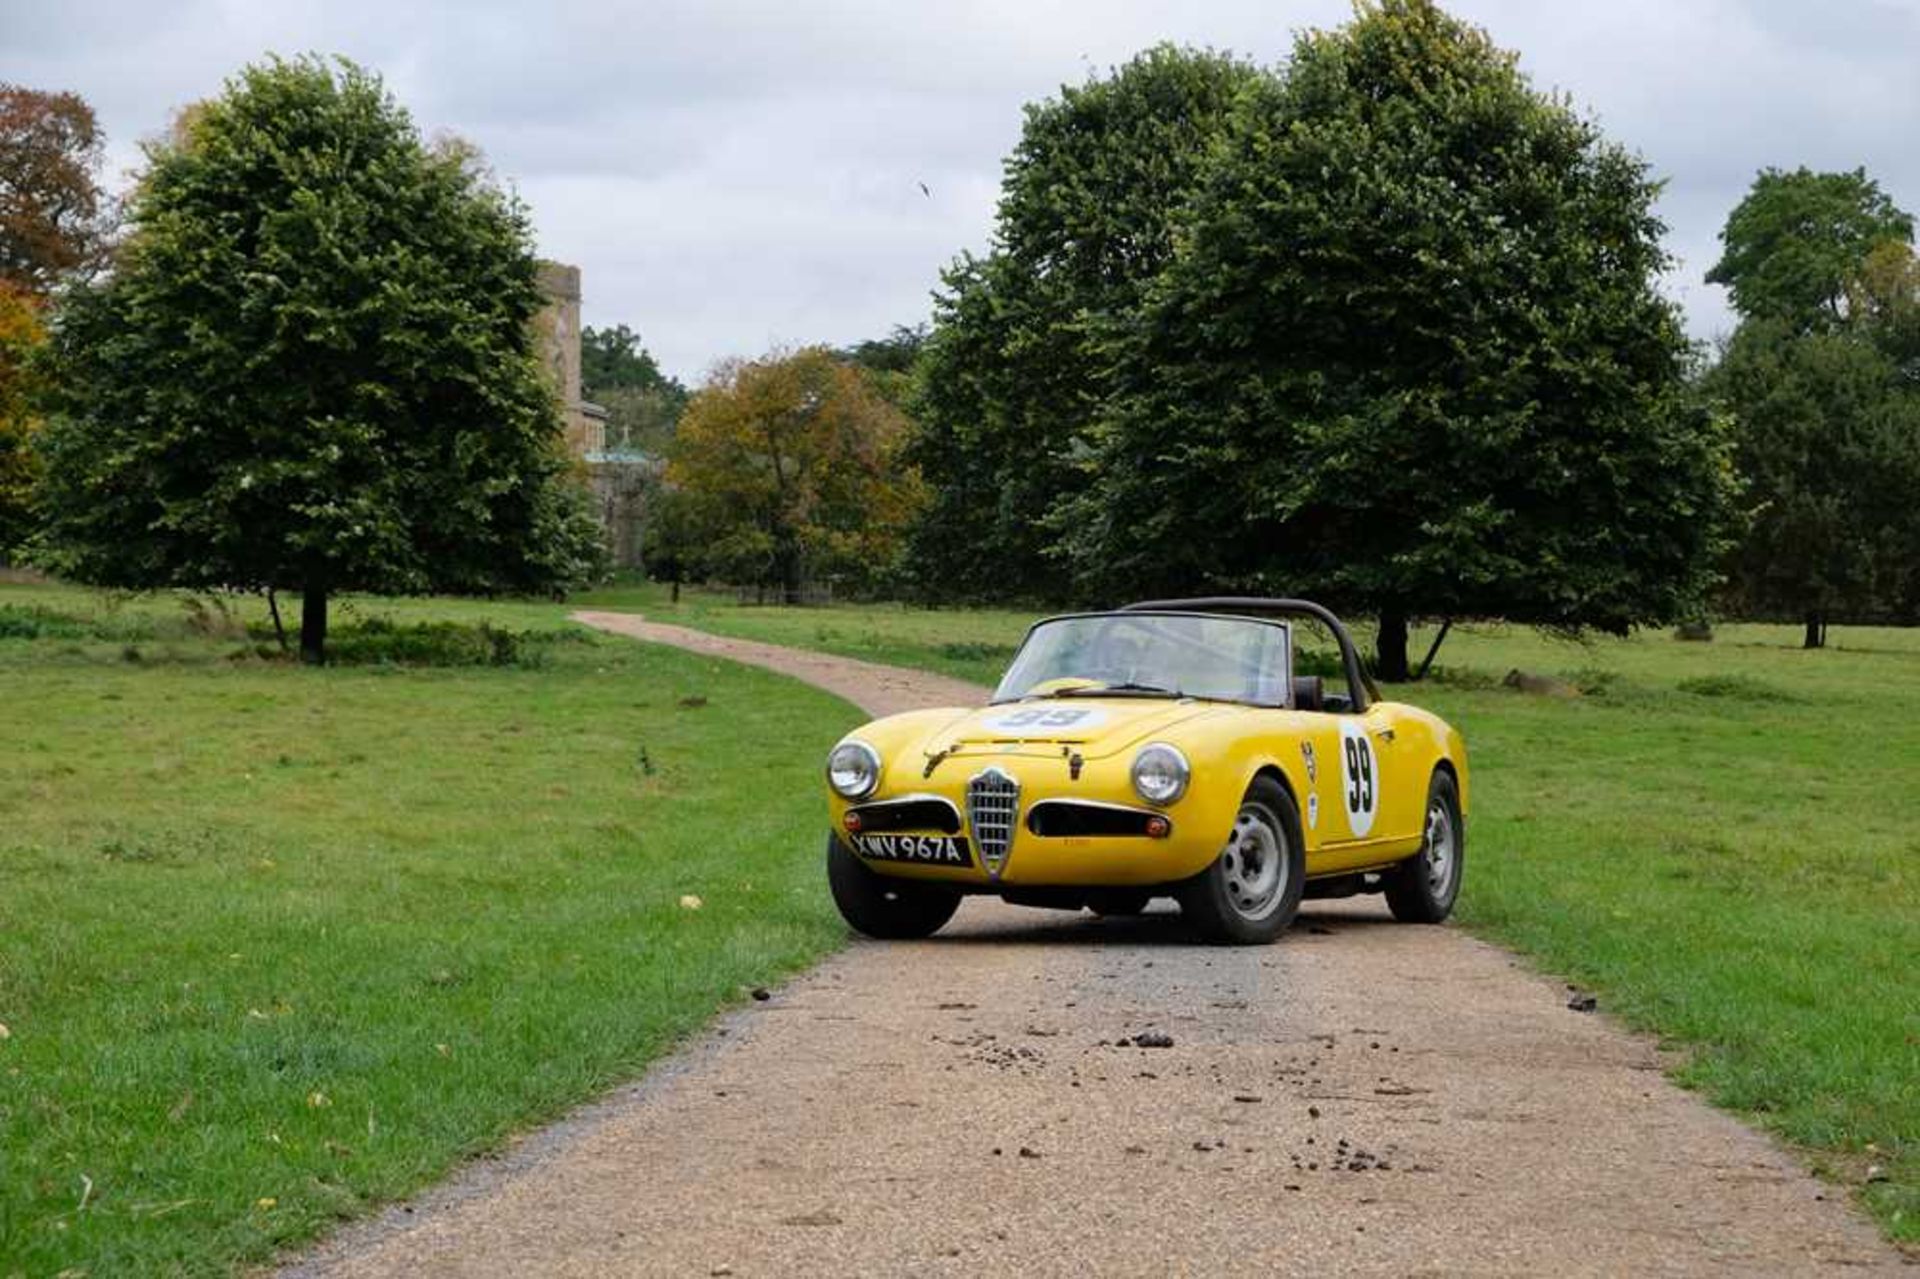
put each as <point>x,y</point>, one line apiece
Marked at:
<point>732,175</point>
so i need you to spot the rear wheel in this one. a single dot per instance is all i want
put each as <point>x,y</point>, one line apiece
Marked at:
<point>1422,889</point>
<point>882,906</point>
<point>1252,891</point>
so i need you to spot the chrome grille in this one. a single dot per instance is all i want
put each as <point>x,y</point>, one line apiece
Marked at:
<point>993,810</point>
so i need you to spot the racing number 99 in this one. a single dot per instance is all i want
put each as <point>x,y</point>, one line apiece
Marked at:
<point>1359,776</point>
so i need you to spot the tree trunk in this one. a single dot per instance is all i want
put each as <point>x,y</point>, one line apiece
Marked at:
<point>1434,651</point>
<point>313,626</point>
<point>1816,631</point>
<point>1390,650</point>
<point>790,582</point>
<point>279,627</point>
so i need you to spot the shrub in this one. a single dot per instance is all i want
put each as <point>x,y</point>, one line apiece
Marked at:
<point>380,641</point>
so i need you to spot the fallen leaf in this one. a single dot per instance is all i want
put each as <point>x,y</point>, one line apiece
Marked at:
<point>265,1203</point>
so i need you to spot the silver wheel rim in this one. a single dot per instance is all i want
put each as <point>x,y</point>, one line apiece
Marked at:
<point>1441,862</point>
<point>1254,864</point>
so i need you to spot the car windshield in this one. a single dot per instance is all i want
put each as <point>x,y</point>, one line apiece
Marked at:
<point>1231,659</point>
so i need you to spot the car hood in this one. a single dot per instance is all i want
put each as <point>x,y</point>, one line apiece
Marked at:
<point>1093,727</point>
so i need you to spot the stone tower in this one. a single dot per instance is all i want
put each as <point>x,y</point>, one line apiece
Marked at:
<point>619,479</point>
<point>558,329</point>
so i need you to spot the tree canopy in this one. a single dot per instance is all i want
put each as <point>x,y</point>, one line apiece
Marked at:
<point>312,369</point>
<point>1829,443</point>
<point>53,216</point>
<point>22,334</point>
<point>786,471</point>
<point>1012,379</point>
<point>1823,381</point>
<point>643,404</point>
<point>1380,326</point>
<point>1796,244</point>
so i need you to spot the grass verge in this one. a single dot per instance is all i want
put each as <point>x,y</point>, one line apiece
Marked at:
<point>280,944</point>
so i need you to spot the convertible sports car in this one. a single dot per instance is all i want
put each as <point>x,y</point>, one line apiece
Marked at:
<point>1166,749</point>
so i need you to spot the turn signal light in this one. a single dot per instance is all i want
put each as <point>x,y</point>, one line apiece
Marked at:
<point>853,821</point>
<point>1157,827</point>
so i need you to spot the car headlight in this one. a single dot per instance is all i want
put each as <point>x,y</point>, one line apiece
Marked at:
<point>1160,773</point>
<point>853,770</point>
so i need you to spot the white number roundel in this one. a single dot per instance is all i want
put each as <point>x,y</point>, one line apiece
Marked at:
<point>1359,778</point>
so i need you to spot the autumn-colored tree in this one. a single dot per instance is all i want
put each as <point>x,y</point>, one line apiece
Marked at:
<point>788,469</point>
<point>20,332</point>
<point>52,213</point>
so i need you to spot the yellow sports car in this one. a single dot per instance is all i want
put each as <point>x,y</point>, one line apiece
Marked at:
<point>1166,749</point>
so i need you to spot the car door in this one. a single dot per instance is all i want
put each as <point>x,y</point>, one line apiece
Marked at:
<point>1399,794</point>
<point>1368,804</point>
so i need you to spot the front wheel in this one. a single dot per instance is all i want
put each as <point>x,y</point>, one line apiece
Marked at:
<point>1252,891</point>
<point>881,906</point>
<point>1422,889</point>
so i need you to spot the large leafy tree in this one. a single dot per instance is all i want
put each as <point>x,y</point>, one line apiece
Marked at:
<point>1796,244</point>
<point>789,469</point>
<point>53,216</point>
<point>312,369</point>
<point>1410,356</point>
<point>1823,381</point>
<point>1011,378</point>
<point>1829,442</point>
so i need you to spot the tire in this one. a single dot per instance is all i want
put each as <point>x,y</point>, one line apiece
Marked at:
<point>1422,889</point>
<point>881,906</point>
<point>1252,891</point>
<point>1110,902</point>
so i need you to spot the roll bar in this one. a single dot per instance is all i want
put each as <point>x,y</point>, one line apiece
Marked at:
<point>1360,686</point>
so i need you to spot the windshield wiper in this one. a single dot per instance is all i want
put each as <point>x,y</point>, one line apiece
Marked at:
<point>1123,687</point>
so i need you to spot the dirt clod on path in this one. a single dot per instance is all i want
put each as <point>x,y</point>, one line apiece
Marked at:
<point>856,1124</point>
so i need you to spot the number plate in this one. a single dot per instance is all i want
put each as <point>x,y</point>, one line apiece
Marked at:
<point>923,850</point>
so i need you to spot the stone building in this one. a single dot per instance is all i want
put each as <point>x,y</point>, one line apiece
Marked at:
<point>619,477</point>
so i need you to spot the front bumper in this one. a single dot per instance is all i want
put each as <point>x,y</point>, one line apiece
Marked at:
<point>1064,847</point>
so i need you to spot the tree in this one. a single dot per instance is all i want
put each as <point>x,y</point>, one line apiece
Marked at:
<point>1823,381</point>
<point>890,362</point>
<point>1409,356</point>
<point>1883,306</point>
<point>615,357</point>
<point>643,404</point>
<point>1829,442</point>
<point>1088,209</point>
<point>21,335</point>
<point>53,217</point>
<point>790,468</point>
<point>312,369</point>
<point>1798,240</point>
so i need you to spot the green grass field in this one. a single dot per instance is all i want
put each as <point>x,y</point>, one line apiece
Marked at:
<point>277,944</point>
<point>1723,839</point>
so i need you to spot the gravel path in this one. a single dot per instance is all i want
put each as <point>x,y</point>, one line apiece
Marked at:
<point>1362,1097</point>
